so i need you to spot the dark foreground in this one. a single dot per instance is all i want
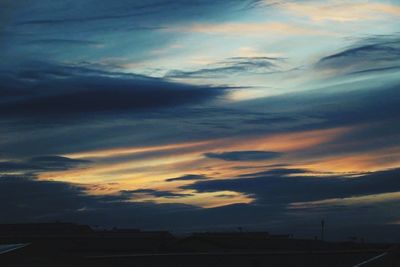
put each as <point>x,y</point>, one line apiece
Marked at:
<point>252,259</point>
<point>328,258</point>
<point>66,245</point>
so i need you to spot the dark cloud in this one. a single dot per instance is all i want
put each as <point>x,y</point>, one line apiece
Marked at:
<point>235,65</point>
<point>60,90</point>
<point>25,199</point>
<point>284,186</point>
<point>57,161</point>
<point>244,155</point>
<point>42,163</point>
<point>372,106</point>
<point>188,177</point>
<point>374,54</point>
<point>277,171</point>
<point>11,166</point>
<point>154,193</point>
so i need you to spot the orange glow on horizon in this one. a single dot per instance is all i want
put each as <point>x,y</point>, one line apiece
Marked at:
<point>151,171</point>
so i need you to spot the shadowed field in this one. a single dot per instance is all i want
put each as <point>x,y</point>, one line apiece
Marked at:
<point>78,245</point>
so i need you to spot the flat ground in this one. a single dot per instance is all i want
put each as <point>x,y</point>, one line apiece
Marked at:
<point>37,255</point>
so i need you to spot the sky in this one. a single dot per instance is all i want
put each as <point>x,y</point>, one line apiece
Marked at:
<point>202,115</point>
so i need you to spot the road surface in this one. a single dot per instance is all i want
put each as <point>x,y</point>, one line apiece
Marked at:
<point>10,247</point>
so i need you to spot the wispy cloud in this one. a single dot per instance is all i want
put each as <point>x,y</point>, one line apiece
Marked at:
<point>188,177</point>
<point>247,29</point>
<point>68,42</point>
<point>153,193</point>
<point>232,66</point>
<point>341,11</point>
<point>373,54</point>
<point>244,155</point>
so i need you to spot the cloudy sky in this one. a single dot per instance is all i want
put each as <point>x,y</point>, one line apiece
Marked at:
<point>206,114</point>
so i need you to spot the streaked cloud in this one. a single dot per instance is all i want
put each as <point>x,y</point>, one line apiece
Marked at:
<point>342,11</point>
<point>232,66</point>
<point>244,155</point>
<point>66,42</point>
<point>247,29</point>
<point>152,192</point>
<point>369,55</point>
<point>349,201</point>
<point>188,177</point>
<point>133,150</point>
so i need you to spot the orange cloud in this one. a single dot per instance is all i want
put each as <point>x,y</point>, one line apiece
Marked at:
<point>132,150</point>
<point>206,200</point>
<point>288,142</point>
<point>247,28</point>
<point>151,170</point>
<point>355,162</point>
<point>173,162</point>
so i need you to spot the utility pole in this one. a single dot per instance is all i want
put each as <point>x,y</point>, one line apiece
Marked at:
<point>322,229</point>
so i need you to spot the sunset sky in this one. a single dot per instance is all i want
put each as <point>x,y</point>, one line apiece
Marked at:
<point>202,114</point>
